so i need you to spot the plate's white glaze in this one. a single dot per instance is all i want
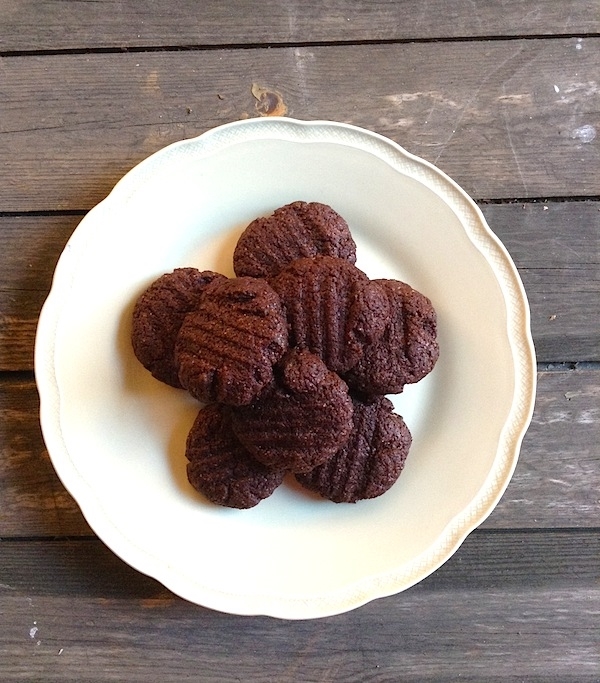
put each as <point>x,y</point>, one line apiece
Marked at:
<point>116,436</point>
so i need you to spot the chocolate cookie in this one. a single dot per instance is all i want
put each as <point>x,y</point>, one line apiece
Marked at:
<point>300,422</point>
<point>292,231</point>
<point>221,468</point>
<point>228,344</point>
<point>332,309</point>
<point>370,462</point>
<point>158,314</point>
<point>408,348</point>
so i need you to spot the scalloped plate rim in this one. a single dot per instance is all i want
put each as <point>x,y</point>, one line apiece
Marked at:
<point>368,588</point>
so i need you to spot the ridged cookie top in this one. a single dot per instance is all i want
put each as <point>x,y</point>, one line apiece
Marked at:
<point>371,460</point>
<point>228,344</point>
<point>302,420</point>
<point>221,468</point>
<point>332,309</point>
<point>293,231</point>
<point>158,315</point>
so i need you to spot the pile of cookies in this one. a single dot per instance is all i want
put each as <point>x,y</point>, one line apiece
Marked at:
<point>292,359</point>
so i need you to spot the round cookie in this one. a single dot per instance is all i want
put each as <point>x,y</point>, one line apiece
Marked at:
<point>407,350</point>
<point>370,462</point>
<point>221,468</point>
<point>228,344</point>
<point>293,231</point>
<point>332,308</point>
<point>158,314</point>
<point>300,422</point>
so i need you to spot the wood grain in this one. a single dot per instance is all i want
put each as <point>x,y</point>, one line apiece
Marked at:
<point>33,500</point>
<point>555,485</point>
<point>74,612</point>
<point>486,113</point>
<point>557,480</point>
<point>31,246</point>
<point>556,247</point>
<point>486,560</point>
<point>504,97</point>
<point>31,25</point>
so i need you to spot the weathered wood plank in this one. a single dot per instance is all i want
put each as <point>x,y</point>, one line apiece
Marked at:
<point>556,247</point>
<point>33,502</point>
<point>34,25</point>
<point>503,118</point>
<point>31,246</point>
<point>555,485</point>
<point>74,612</point>
<point>557,479</point>
<point>487,559</point>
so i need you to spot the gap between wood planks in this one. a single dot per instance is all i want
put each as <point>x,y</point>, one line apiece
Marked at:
<point>293,44</point>
<point>480,531</point>
<point>481,201</point>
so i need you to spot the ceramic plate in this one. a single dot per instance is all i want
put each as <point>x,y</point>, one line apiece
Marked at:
<point>116,436</point>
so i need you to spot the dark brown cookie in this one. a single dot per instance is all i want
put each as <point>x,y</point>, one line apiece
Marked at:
<point>370,462</point>
<point>221,468</point>
<point>292,231</point>
<point>332,309</point>
<point>302,421</point>
<point>407,350</point>
<point>228,344</point>
<point>158,314</point>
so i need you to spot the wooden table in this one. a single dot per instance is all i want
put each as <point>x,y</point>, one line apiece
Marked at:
<point>504,97</point>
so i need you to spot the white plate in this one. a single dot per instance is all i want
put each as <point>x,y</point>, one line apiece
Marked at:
<point>116,436</point>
